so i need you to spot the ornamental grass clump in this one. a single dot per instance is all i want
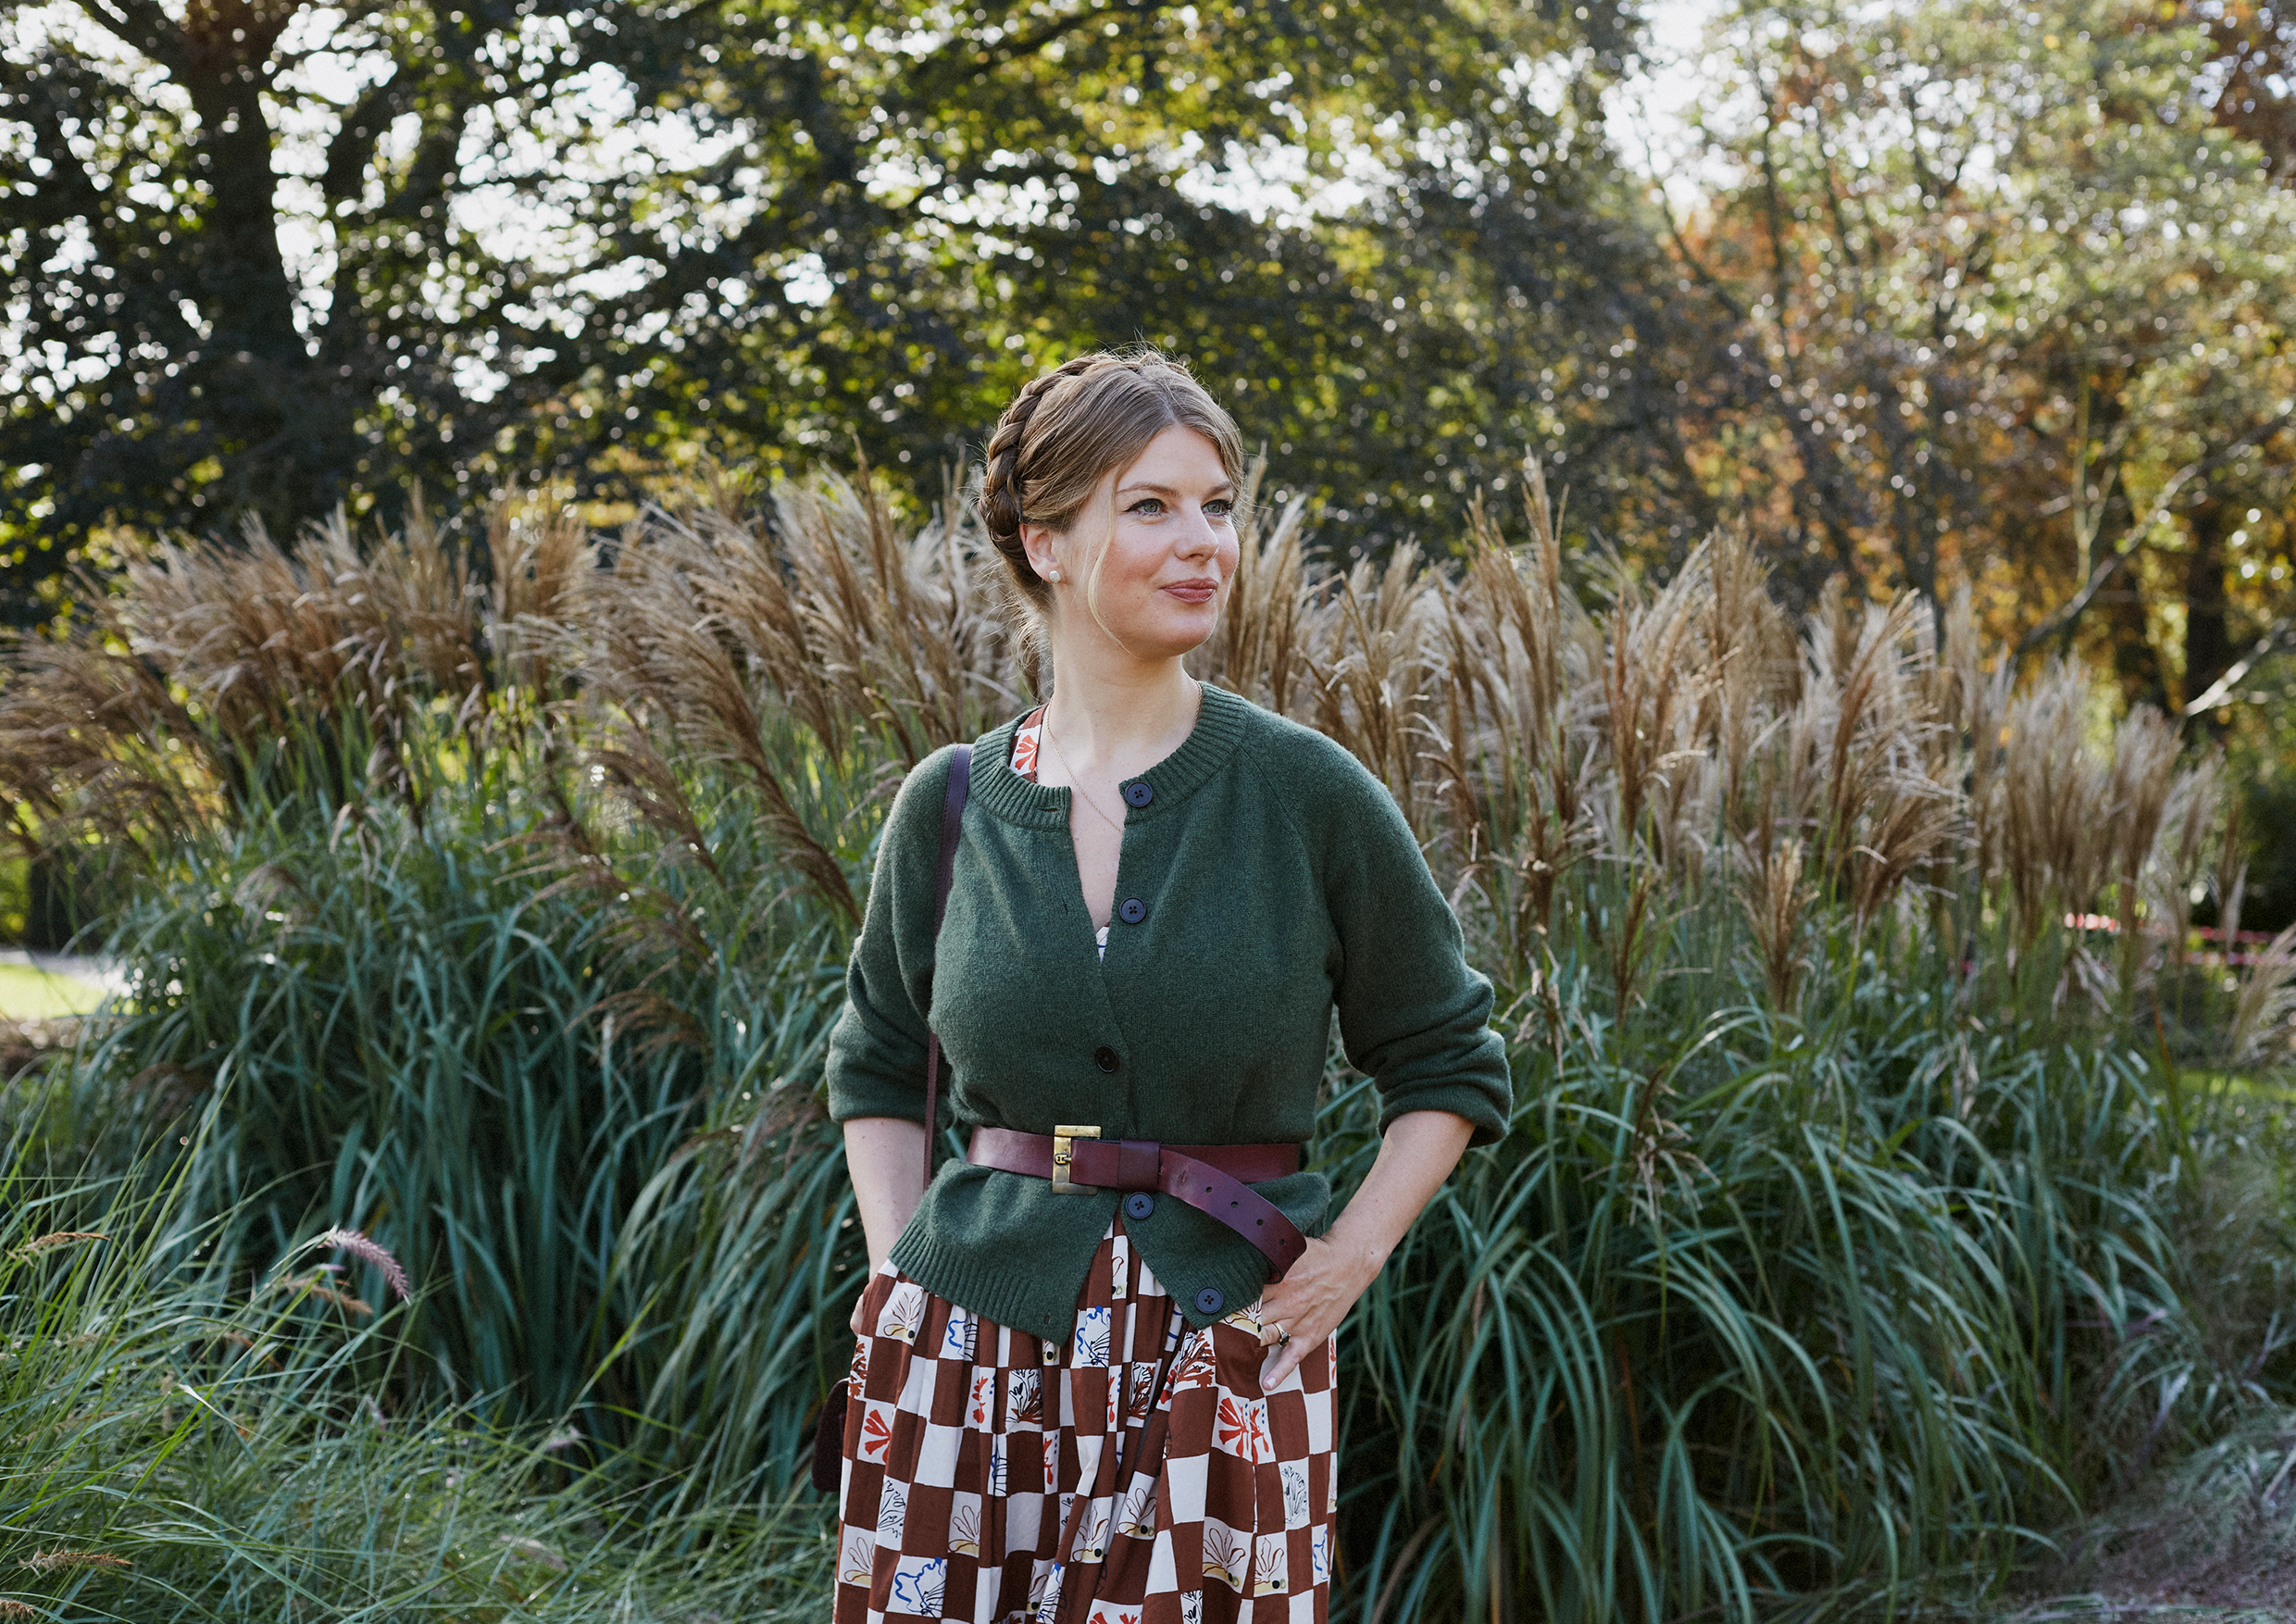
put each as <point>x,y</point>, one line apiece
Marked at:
<point>186,1446</point>
<point>491,900</point>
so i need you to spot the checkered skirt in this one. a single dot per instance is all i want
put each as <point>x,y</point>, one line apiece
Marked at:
<point>1136,1475</point>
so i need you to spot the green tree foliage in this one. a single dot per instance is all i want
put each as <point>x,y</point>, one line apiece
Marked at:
<point>261,256</point>
<point>2255,46</point>
<point>2025,301</point>
<point>1963,302</point>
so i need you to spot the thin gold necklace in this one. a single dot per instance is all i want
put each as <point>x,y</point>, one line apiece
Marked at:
<point>1076,781</point>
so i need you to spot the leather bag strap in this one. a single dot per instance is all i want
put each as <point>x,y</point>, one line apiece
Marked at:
<point>952,828</point>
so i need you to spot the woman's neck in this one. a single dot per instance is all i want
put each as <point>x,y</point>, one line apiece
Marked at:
<point>1121,715</point>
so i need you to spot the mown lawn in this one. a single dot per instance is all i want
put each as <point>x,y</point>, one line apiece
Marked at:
<point>29,992</point>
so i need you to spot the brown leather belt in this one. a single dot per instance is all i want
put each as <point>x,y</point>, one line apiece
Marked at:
<point>1210,1178</point>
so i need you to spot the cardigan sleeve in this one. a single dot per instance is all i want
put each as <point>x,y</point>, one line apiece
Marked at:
<point>1413,1014</point>
<point>876,1065</point>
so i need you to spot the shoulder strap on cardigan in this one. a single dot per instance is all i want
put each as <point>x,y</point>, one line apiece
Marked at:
<point>952,827</point>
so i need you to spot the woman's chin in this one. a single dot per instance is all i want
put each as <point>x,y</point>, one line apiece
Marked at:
<point>1166,636</point>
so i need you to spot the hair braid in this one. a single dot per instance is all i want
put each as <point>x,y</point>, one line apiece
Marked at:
<point>1000,485</point>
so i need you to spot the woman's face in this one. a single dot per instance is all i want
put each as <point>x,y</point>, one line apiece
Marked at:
<point>1165,574</point>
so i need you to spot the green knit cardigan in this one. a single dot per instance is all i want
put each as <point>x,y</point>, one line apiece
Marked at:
<point>1265,879</point>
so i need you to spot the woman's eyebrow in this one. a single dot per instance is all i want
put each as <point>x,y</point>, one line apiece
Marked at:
<point>1218,493</point>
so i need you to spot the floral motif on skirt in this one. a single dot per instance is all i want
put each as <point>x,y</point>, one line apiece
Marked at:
<point>1136,1475</point>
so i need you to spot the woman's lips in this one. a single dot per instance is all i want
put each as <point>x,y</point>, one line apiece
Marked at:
<point>1194,591</point>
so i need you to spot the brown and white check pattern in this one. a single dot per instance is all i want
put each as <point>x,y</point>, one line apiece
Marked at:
<point>1136,1475</point>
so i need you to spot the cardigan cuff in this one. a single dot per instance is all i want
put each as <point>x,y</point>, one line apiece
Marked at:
<point>853,1096</point>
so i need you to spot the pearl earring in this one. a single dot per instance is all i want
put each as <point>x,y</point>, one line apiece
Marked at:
<point>1055,572</point>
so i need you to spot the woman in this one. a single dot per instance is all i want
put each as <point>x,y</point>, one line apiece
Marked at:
<point>1078,1393</point>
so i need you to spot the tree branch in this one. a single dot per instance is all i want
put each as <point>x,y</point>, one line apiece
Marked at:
<point>2219,693</point>
<point>2072,608</point>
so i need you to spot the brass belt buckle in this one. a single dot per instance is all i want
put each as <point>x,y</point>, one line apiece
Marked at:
<point>1062,1134</point>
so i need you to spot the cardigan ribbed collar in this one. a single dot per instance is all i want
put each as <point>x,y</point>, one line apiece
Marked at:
<point>1003,793</point>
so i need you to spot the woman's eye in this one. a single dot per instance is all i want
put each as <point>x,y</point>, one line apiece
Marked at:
<point>1147,508</point>
<point>1220,509</point>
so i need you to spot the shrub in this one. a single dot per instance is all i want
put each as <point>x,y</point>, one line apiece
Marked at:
<point>496,900</point>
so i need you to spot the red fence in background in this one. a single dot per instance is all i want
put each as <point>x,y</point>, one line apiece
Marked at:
<point>2204,944</point>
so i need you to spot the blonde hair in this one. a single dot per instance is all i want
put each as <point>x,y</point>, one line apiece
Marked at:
<point>1067,429</point>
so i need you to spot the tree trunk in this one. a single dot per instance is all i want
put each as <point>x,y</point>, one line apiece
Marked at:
<point>2207,639</point>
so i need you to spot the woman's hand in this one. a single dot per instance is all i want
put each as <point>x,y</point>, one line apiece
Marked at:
<point>1309,1303</point>
<point>1417,1154</point>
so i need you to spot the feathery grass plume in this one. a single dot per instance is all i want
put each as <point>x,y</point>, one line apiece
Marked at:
<point>1259,649</point>
<point>659,654</point>
<point>11,1608</point>
<point>861,632</point>
<point>739,580</point>
<point>2263,1011</point>
<point>2057,837</point>
<point>50,1561</point>
<point>1873,729</point>
<point>2230,886</point>
<point>1372,670</point>
<point>1954,675</point>
<point>54,1241</point>
<point>1755,667</point>
<point>2188,814</point>
<point>2145,752</point>
<point>209,680</point>
<point>86,726</point>
<point>1517,751</point>
<point>366,1251</point>
<point>1899,837</point>
<point>302,640</point>
<point>1647,698</point>
<point>1969,705</point>
<point>540,550</point>
<point>720,628</point>
<point>1775,899</point>
<point>2145,749</point>
<point>904,625</point>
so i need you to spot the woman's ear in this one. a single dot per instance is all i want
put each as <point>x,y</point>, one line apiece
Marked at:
<point>1037,540</point>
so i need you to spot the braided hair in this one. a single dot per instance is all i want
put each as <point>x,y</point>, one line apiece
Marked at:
<point>1069,428</point>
